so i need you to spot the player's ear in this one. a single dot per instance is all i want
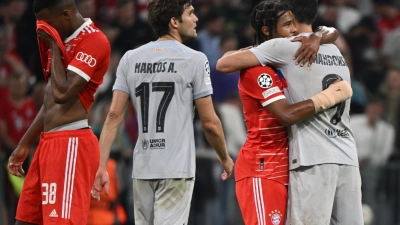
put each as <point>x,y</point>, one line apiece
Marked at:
<point>265,30</point>
<point>174,22</point>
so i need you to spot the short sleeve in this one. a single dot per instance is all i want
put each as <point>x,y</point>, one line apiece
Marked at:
<point>90,55</point>
<point>275,52</point>
<point>201,81</point>
<point>121,82</point>
<point>262,84</point>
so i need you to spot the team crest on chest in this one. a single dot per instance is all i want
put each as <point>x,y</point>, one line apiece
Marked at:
<point>265,80</point>
<point>276,217</point>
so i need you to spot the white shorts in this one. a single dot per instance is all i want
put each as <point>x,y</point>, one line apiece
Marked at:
<point>162,201</point>
<point>325,194</point>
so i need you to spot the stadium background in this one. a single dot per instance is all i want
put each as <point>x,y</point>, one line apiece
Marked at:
<point>369,40</point>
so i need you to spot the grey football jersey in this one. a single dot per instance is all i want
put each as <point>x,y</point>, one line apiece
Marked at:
<point>163,78</point>
<point>325,137</point>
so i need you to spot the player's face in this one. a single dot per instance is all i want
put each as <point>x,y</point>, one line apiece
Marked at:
<point>58,20</point>
<point>187,29</point>
<point>285,26</point>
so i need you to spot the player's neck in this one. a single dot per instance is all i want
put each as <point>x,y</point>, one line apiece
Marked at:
<point>76,23</point>
<point>170,37</point>
<point>303,28</point>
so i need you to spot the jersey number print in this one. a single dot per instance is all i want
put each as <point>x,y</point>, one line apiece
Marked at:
<point>328,80</point>
<point>143,91</point>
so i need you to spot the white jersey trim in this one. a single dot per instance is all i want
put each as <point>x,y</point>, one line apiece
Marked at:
<point>259,201</point>
<point>69,177</point>
<point>202,94</point>
<point>79,72</point>
<point>75,34</point>
<point>121,88</point>
<point>273,100</point>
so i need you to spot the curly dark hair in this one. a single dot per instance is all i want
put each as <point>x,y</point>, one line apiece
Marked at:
<point>266,13</point>
<point>161,12</point>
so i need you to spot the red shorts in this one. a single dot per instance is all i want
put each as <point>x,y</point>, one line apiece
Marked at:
<point>262,201</point>
<point>57,187</point>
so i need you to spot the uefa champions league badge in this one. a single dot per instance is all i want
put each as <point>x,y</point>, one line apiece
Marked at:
<point>276,217</point>
<point>264,80</point>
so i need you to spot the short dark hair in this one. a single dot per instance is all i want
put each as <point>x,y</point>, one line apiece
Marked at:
<point>304,11</point>
<point>160,13</point>
<point>266,13</point>
<point>39,5</point>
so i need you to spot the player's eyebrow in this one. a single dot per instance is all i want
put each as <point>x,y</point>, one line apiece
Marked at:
<point>288,22</point>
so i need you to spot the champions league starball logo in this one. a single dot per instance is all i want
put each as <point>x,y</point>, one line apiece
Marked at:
<point>264,80</point>
<point>276,217</point>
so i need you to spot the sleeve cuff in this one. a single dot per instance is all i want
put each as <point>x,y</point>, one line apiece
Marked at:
<point>273,100</point>
<point>121,88</point>
<point>79,72</point>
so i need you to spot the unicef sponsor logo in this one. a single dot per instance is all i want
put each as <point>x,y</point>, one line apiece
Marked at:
<point>153,144</point>
<point>332,133</point>
<point>86,58</point>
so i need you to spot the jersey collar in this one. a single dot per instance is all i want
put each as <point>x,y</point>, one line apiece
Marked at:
<point>75,34</point>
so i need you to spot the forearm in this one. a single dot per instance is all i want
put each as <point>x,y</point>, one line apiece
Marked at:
<point>289,114</point>
<point>59,80</point>
<point>327,34</point>
<point>108,135</point>
<point>215,136</point>
<point>34,130</point>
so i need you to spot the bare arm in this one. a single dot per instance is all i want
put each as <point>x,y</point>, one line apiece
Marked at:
<point>65,85</point>
<point>289,114</point>
<point>237,60</point>
<point>213,131</point>
<point>114,119</point>
<point>327,34</point>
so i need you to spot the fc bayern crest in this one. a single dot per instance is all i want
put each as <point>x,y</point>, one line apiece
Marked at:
<point>276,217</point>
<point>264,80</point>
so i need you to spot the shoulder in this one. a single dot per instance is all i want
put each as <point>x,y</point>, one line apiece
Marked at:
<point>257,70</point>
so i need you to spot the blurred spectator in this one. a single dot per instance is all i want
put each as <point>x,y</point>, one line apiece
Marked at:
<point>16,115</point>
<point>236,15</point>
<point>87,8</point>
<point>128,31</point>
<point>375,141</point>
<point>13,12</point>
<point>360,39</point>
<point>235,135</point>
<point>108,211</point>
<point>391,48</point>
<point>9,62</point>
<point>106,11</point>
<point>391,91</point>
<point>338,15</point>
<point>389,19</point>
<point>210,36</point>
<point>225,85</point>
<point>246,36</point>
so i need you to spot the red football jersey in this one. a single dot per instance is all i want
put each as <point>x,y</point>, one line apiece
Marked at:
<point>89,51</point>
<point>265,152</point>
<point>17,119</point>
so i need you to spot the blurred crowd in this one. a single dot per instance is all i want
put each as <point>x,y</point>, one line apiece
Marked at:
<point>369,40</point>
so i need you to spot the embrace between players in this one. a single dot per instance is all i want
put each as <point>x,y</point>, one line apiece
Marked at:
<point>315,177</point>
